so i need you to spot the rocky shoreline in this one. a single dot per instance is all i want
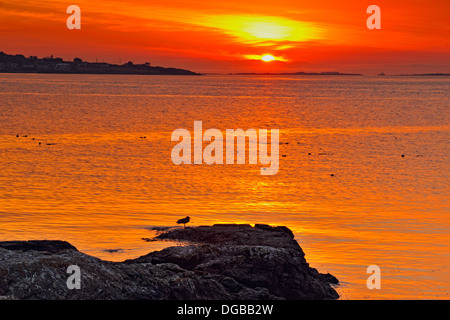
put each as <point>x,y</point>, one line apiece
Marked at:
<point>220,262</point>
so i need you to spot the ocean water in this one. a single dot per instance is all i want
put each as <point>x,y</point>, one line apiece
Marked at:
<point>363,176</point>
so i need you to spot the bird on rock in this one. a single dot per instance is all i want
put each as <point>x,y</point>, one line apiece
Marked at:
<point>184,221</point>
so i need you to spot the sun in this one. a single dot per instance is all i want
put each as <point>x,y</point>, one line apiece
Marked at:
<point>267,58</point>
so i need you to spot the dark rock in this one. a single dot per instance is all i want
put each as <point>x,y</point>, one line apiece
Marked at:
<point>52,246</point>
<point>162,228</point>
<point>236,234</point>
<point>236,262</point>
<point>329,278</point>
<point>260,257</point>
<point>149,239</point>
<point>113,250</point>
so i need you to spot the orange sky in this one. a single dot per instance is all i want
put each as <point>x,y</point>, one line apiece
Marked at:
<point>223,36</point>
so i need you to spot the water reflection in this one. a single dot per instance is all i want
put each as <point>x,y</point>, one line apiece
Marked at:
<point>343,186</point>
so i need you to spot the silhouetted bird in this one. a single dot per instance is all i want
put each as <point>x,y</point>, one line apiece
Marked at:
<point>184,221</point>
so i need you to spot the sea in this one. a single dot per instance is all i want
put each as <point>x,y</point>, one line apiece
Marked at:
<point>363,174</point>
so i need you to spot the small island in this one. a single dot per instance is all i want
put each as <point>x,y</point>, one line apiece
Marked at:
<point>219,262</point>
<point>21,64</point>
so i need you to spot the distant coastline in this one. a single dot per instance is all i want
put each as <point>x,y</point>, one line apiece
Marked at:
<point>21,64</point>
<point>425,75</point>
<point>335,73</point>
<point>327,73</point>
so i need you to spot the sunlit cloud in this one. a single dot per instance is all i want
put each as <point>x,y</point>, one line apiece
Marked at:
<point>265,57</point>
<point>260,30</point>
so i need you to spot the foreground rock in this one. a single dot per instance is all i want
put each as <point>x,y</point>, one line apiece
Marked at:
<point>222,262</point>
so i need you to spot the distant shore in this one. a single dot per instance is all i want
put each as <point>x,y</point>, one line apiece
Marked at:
<point>20,64</point>
<point>424,75</point>
<point>333,73</point>
<point>326,73</point>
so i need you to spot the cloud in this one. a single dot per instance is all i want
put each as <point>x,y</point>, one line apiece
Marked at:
<point>257,29</point>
